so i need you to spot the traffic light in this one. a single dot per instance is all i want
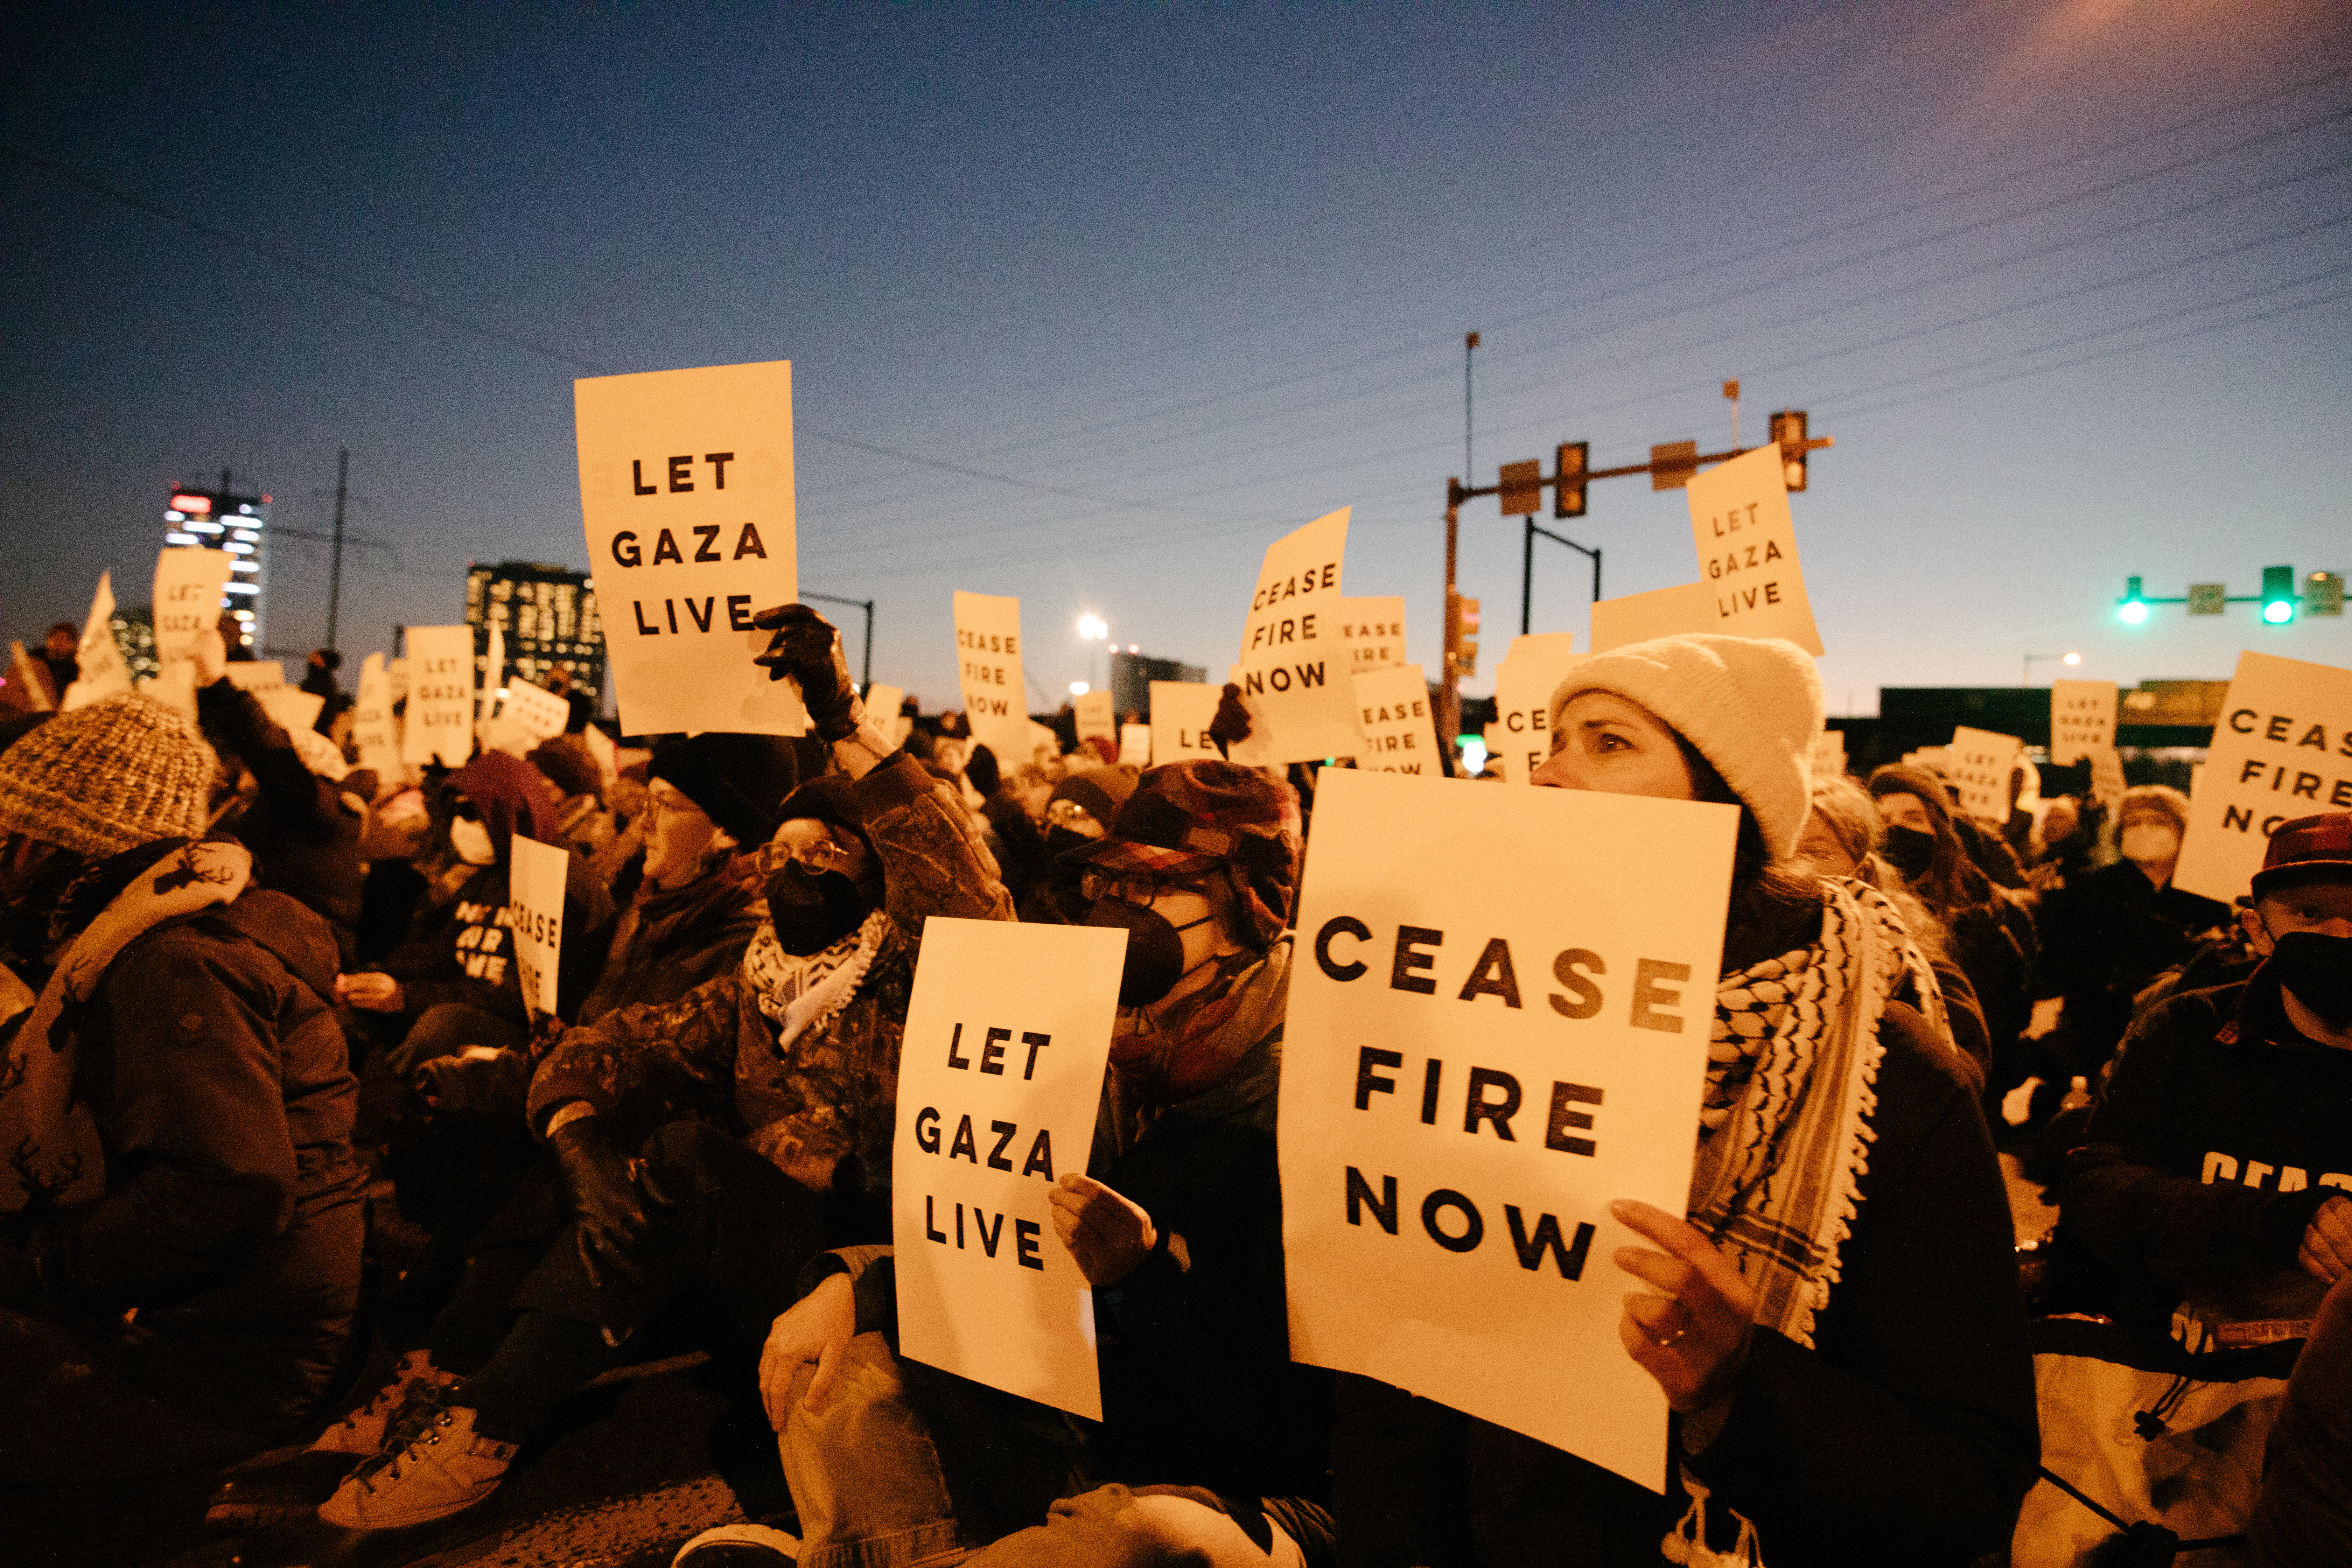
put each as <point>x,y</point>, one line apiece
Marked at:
<point>2278,594</point>
<point>2134,604</point>
<point>1788,432</point>
<point>1569,465</point>
<point>1462,632</point>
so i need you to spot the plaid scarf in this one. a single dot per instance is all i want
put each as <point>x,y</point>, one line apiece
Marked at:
<point>799,993</point>
<point>51,1138</point>
<point>1785,1125</point>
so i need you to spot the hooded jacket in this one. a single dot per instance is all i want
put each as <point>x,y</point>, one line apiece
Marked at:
<point>304,831</point>
<point>233,1216</point>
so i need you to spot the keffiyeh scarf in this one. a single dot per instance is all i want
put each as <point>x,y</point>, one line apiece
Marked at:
<point>799,993</point>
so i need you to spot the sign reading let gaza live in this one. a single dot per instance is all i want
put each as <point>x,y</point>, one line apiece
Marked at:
<point>686,493</point>
<point>1474,1065</point>
<point>1748,550</point>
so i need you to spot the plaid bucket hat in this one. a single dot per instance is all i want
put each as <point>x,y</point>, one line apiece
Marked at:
<point>2309,849</point>
<point>1191,818</point>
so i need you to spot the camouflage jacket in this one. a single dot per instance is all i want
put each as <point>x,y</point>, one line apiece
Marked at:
<point>712,1056</point>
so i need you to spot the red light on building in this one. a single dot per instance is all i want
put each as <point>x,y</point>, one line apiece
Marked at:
<point>201,505</point>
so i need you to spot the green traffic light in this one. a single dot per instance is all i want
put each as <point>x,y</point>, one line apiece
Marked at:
<point>2278,594</point>
<point>2135,608</point>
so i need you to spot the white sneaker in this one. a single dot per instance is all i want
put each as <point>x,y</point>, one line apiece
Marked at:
<point>739,1546</point>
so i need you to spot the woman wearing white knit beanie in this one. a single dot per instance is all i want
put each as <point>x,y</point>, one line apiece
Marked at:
<point>1835,1320</point>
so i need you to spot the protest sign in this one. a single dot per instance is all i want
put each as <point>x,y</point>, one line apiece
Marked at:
<point>440,716</point>
<point>256,674</point>
<point>1293,665</point>
<point>1829,755</point>
<point>527,715</point>
<point>1043,744</point>
<point>686,493</point>
<point>988,663</point>
<point>1134,745</point>
<point>103,673</point>
<point>1660,613</point>
<point>535,875</point>
<point>1474,1065</point>
<point>1007,1035</point>
<point>1748,549</point>
<point>1094,716</point>
<point>1181,714</point>
<point>289,707</point>
<point>376,728</point>
<point>1524,683</point>
<point>1978,773</point>
<point>2283,750</point>
<point>1374,629</point>
<point>175,687</point>
<point>882,705</point>
<point>488,671</point>
<point>2081,719</point>
<point>1393,715</point>
<point>607,754</point>
<point>188,585</point>
<point>29,680</point>
<point>2107,777</point>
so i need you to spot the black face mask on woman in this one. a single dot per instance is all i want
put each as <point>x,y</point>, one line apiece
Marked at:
<point>812,911</point>
<point>2318,969</point>
<point>1060,841</point>
<point>1909,851</point>
<point>1155,949</point>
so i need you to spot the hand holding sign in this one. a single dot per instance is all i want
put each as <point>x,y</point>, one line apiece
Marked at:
<point>1110,1235</point>
<point>806,649</point>
<point>1694,1339</point>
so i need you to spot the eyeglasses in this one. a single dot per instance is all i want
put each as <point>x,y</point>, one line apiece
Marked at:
<point>1070,814</point>
<point>1136,888</point>
<point>819,855</point>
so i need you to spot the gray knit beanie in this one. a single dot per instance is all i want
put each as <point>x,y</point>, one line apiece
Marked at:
<point>107,778</point>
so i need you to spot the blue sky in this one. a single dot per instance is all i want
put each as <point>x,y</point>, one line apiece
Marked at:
<point>2070,284</point>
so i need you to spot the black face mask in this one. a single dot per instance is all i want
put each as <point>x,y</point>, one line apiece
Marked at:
<point>1060,841</point>
<point>1910,851</point>
<point>1155,949</point>
<point>812,911</point>
<point>2318,969</point>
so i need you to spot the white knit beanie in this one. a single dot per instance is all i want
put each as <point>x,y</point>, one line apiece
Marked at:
<point>107,778</point>
<point>1751,706</point>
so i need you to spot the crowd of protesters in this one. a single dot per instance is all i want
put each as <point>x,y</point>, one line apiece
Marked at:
<point>253,994</point>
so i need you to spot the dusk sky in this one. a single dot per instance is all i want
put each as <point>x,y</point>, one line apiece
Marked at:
<point>1089,304</point>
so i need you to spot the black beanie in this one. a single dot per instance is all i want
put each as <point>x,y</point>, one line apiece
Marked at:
<point>738,779</point>
<point>831,800</point>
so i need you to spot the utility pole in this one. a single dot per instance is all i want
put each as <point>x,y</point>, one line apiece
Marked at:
<point>335,574</point>
<point>1469,347</point>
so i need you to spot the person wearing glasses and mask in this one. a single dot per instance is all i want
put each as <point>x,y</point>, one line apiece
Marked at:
<point>1078,814</point>
<point>709,1145</point>
<point>1176,1224</point>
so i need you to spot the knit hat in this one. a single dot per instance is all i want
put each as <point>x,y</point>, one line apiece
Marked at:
<point>1751,706</point>
<point>738,781</point>
<point>1184,818</point>
<point>108,777</point>
<point>1102,791</point>
<point>831,800</point>
<point>2162,799</point>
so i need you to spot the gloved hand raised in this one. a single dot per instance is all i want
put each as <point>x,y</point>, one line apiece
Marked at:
<point>608,1199</point>
<point>1232,722</point>
<point>807,649</point>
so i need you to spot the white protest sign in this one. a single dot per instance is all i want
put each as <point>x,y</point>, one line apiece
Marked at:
<point>607,754</point>
<point>487,668</point>
<point>1394,713</point>
<point>2081,719</point>
<point>988,665</point>
<point>1374,629</point>
<point>1134,745</point>
<point>1043,744</point>
<point>1748,549</point>
<point>1660,613</point>
<point>2283,750</point>
<point>1007,1035</point>
<point>535,876</point>
<point>440,716</point>
<point>1978,772</point>
<point>103,673</point>
<point>532,712</point>
<point>1094,716</point>
<point>289,707</point>
<point>1829,755</point>
<point>882,705</point>
<point>31,680</point>
<point>188,585</point>
<point>256,674</point>
<point>685,492</point>
<point>1475,1066</point>
<point>1181,714</point>
<point>2107,777</point>
<point>1292,669</point>
<point>376,728</point>
<point>1530,672</point>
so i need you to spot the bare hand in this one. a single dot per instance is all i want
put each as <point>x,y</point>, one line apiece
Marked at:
<point>1107,1236</point>
<point>1692,1339</point>
<point>2326,1249</point>
<point>209,653</point>
<point>371,992</point>
<point>2046,1014</point>
<point>818,1328</point>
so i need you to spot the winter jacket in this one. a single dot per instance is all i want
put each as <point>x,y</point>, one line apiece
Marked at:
<point>711,1054</point>
<point>465,952</point>
<point>2104,938</point>
<point>1907,1434</point>
<point>304,832</point>
<point>232,1217</point>
<point>2217,1137</point>
<point>669,943</point>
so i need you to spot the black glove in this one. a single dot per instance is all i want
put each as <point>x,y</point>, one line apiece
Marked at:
<point>606,1199</point>
<point>498,1085</point>
<point>807,648</point>
<point>1232,722</point>
<point>981,769</point>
